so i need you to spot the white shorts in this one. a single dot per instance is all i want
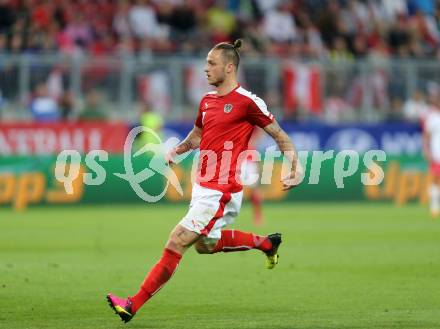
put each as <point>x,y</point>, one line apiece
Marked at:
<point>210,211</point>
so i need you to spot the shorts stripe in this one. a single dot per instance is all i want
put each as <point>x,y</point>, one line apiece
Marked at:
<point>226,197</point>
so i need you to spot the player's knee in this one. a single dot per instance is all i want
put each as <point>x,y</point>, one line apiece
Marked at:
<point>202,249</point>
<point>176,244</point>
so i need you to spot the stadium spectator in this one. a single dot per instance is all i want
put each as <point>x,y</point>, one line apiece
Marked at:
<point>279,25</point>
<point>360,46</point>
<point>16,44</point>
<point>220,22</point>
<point>42,14</point>
<point>143,20</point>
<point>62,13</point>
<point>416,107</point>
<point>267,5</point>
<point>6,16</point>
<point>392,9</point>
<point>399,35</point>
<point>121,21</point>
<point>313,45</point>
<point>3,43</point>
<point>411,28</point>
<point>43,107</point>
<point>183,22</point>
<point>152,120</point>
<point>66,105</point>
<point>255,42</point>
<point>340,52</point>
<point>93,110</point>
<point>328,30</point>
<point>78,30</point>
<point>245,11</point>
<point>425,6</point>
<point>328,22</point>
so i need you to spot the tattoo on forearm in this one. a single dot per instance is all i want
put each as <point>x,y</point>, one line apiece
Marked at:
<point>185,146</point>
<point>191,142</point>
<point>283,141</point>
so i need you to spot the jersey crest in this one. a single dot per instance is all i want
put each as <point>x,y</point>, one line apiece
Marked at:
<point>228,108</point>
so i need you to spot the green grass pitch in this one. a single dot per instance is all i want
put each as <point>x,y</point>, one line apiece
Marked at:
<point>341,266</point>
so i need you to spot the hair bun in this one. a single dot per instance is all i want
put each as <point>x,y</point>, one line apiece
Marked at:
<point>237,44</point>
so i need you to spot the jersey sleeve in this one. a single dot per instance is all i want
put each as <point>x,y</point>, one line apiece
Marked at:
<point>258,114</point>
<point>199,118</point>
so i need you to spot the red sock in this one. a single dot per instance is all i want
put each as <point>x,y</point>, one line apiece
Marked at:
<point>256,202</point>
<point>158,276</point>
<point>233,240</point>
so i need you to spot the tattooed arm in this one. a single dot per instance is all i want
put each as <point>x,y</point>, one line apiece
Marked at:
<point>191,142</point>
<point>288,149</point>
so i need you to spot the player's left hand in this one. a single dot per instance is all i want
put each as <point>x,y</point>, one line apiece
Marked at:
<point>294,178</point>
<point>170,156</point>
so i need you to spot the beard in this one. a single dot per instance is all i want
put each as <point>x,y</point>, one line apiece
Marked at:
<point>218,81</point>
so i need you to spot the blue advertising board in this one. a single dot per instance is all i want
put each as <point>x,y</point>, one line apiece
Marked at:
<point>396,139</point>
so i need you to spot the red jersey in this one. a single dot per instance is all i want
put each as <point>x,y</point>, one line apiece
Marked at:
<point>227,123</point>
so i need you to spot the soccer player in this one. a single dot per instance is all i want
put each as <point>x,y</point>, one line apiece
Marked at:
<point>224,124</point>
<point>431,147</point>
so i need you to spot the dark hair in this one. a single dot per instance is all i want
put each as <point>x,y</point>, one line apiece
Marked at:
<point>230,51</point>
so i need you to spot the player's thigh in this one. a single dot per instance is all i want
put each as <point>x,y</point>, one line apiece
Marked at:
<point>204,207</point>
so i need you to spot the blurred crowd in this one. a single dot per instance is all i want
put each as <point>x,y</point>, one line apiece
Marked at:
<point>336,29</point>
<point>339,31</point>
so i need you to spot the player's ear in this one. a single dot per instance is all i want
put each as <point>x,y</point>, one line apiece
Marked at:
<point>229,67</point>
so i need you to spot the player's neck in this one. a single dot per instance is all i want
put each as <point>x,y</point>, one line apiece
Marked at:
<point>226,87</point>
